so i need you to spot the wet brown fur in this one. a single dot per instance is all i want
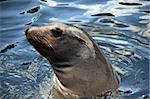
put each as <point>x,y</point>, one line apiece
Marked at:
<point>80,68</point>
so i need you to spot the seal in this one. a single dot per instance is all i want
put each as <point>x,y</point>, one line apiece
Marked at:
<point>80,69</point>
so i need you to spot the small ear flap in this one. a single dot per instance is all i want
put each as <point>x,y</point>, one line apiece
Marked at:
<point>76,26</point>
<point>82,28</point>
<point>80,40</point>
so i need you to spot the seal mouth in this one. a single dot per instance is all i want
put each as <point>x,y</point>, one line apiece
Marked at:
<point>43,49</point>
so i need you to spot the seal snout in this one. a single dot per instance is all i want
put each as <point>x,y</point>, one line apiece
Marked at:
<point>32,33</point>
<point>26,31</point>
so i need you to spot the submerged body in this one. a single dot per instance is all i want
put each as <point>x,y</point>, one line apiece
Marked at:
<point>80,69</point>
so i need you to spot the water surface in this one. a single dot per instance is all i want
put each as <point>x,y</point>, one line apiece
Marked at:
<point>121,28</point>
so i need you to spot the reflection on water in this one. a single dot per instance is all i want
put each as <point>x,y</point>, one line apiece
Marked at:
<point>121,28</point>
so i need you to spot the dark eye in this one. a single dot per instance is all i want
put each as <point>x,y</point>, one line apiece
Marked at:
<point>56,32</point>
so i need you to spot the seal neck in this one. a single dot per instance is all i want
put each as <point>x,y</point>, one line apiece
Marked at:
<point>61,92</point>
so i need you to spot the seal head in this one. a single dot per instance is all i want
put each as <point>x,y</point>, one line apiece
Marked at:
<point>59,42</point>
<point>79,66</point>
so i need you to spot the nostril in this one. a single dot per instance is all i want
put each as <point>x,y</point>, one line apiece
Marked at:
<point>26,31</point>
<point>56,32</point>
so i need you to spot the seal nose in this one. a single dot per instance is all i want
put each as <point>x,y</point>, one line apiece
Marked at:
<point>56,32</point>
<point>26,31</point>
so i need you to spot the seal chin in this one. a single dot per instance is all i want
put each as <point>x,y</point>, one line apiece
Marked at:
<point>41,47</point>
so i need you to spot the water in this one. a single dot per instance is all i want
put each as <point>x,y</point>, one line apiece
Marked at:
<point>121,28</point>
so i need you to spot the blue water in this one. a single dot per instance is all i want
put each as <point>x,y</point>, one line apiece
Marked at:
<point>121,28</point>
